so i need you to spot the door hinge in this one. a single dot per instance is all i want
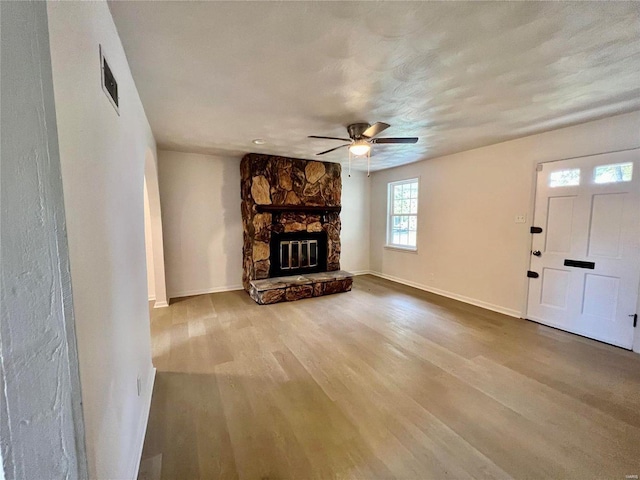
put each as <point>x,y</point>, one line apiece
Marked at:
<point>531,274</point>
<point>635,320</point>
<point>536,230</point>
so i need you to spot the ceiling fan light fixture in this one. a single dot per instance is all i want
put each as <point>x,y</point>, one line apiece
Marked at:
<point>361,136</point>
<point>359,148</point>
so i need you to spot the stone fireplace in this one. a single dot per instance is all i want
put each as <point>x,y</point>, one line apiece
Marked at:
<point>291,225</point>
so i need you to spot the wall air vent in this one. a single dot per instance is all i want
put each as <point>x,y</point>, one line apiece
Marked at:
<point>109,83</point>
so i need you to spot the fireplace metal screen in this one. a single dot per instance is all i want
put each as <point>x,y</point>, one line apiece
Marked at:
<point>295,254</point>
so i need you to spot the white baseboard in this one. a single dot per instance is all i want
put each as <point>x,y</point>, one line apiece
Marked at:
<point>189,293</point>
<point>142,427</point>
<point>152,299</point>
<point>161,304</point>
<point>361,272</point>
<point>454,296</point>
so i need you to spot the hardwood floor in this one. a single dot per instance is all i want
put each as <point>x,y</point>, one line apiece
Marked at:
<point>383,382</point>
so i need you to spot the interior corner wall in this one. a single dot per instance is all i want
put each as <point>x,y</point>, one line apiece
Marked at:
<point>355,218</point>
<point>102,157</point>
<point>41,427</point>
<point>202,222</point>
<point>469,246</point>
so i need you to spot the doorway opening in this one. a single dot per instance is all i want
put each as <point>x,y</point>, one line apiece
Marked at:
<point>153,234</point>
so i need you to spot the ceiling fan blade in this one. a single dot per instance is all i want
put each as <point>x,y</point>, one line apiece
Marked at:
<point>375,129</point>
<point>395,140</point>
<point>330,138</point>
<point>327,151</point>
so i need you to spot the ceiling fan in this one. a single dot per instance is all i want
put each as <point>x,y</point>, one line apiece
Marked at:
<point>361,136</point>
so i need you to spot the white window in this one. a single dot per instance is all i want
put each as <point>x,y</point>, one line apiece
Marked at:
<point>402,222</point>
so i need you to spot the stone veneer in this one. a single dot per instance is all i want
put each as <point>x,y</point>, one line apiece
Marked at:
<point>286,182</point>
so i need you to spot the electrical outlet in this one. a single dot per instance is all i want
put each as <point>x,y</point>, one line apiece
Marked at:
<point>521,219</point>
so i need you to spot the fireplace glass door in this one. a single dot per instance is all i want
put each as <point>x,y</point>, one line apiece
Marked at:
<point>296,254</point>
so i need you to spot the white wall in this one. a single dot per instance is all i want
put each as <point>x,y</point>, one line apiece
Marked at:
<point>468,244</point>
<point>41,428</point>
<point>200,197</point>
<point>102,156</point>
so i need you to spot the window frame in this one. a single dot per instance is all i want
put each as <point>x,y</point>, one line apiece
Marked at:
<point>390,187</point>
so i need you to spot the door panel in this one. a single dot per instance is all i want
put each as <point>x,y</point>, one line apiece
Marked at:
<point>600,295</point>
<point>555,286</point>
<point>559,218</point>
<point>606,225</point>
<point>589,209</point>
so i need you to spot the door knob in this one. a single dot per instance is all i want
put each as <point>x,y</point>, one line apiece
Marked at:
<point>537,253</point>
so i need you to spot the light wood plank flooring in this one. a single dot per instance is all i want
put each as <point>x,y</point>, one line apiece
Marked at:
<point>383,382</point>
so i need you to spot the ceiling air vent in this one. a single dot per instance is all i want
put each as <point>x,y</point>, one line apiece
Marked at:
<point>109,83</point>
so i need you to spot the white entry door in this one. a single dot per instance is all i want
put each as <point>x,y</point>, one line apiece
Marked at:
<point>587,256</point>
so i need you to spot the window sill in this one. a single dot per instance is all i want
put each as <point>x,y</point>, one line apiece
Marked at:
<point>402,249</point>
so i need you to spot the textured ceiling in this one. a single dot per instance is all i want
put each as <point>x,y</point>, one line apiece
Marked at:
<point>215,75</point>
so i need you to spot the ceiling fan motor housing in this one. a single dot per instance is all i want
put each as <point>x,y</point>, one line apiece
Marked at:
<point>355,130</point>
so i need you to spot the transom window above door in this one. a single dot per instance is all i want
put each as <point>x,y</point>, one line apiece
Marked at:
<point>402,221</point>
<point>617,172</point>
<point>611,173</point>
<point>565,178</point>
